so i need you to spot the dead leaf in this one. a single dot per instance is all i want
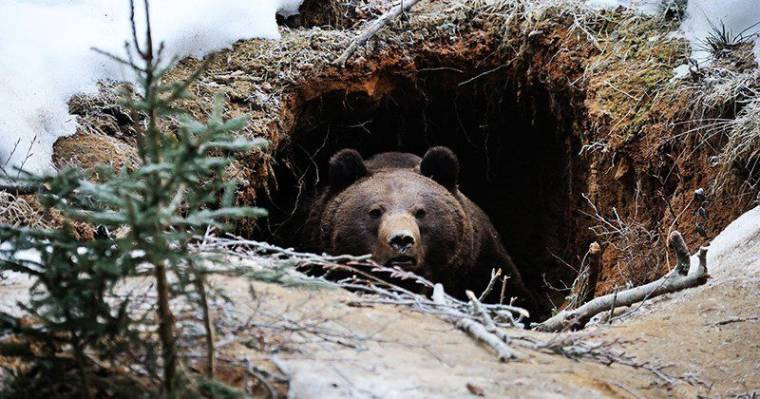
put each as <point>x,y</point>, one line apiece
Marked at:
<point>475,390</point>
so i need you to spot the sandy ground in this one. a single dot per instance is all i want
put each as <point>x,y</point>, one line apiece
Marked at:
<point>332,344</point>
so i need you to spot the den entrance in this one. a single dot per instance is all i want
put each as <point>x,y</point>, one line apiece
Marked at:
<point>514,144</point>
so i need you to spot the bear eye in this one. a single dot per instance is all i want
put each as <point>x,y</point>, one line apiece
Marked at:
<point>375,213</point>
<point>420,213</point>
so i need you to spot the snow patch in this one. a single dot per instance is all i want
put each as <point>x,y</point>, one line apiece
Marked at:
<point>735,252</point>
<point>47,57</point>
<point>16,278</point>
<point>704,16</point>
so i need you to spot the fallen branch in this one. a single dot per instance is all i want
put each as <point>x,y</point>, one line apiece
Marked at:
<point>736,320</point>
<point>479,332</point>
<point>486,332</point>
<point>682,277</point>
<point>481,321</point>
<point>19,189</point>
<point>365,277</point>
<point>373,29</point>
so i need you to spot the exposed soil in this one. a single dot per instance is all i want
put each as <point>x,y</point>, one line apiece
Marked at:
<point>537,111</point>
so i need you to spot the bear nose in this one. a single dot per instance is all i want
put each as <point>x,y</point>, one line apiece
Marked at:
<point>401,241</point>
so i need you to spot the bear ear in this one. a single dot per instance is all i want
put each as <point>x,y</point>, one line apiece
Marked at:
<point>346,167</point>
<point>441,165</point>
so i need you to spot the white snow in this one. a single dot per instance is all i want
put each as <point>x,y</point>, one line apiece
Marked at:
<point>46,56</point>
<point>703,17</point>
<point>735,252</point>
<point>738,16</point>
<point>16,278</point>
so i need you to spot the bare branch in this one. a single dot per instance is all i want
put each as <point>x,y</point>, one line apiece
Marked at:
<point>373,29</point>
<point>584,285</point>
<point>495,274</point>
<point>479,332</point>
<point>674,281</point>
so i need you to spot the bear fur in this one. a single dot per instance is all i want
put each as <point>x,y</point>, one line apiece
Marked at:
<point>408,212</point>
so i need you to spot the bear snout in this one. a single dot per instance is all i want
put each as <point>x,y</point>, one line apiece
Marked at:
<point>401,240</point>
<point>398,241</point>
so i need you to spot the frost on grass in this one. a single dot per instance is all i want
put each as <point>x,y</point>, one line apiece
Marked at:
<point>724,38</point>
<point>728,21</point>
<point>47,57</point>
<point>646,7</point>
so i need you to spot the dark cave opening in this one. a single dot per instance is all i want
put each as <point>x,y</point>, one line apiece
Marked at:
<point>516,155</point>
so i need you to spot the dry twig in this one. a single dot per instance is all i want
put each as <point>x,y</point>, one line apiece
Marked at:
<point>373,29</point>
<point>487,323</point>
<point>584,285</point>
<point>495,274</point>
<point>483,322</point>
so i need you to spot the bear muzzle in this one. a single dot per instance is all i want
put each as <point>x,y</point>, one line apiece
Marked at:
<point>399,241</point>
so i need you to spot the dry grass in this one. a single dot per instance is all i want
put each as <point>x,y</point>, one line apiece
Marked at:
<point>633,82</point>
<point>724,109</point>
<point>17,211</point>
<point>742,150</point>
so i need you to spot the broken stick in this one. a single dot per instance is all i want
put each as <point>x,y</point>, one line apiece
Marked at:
<point>479,332</point>
<point>20,189</point>
<point>373,29</point>
<point>495,274</point>
<point>682,277</point>
<point>486,332</point>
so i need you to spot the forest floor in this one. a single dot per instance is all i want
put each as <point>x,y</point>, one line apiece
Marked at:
<point>318,343</point>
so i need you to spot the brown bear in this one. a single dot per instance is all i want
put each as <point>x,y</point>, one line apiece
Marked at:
<point>408,212</point>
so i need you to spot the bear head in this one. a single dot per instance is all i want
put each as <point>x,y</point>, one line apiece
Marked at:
<point>406,214</point>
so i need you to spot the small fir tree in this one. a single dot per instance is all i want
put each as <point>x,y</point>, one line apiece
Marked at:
<point>73,320</point>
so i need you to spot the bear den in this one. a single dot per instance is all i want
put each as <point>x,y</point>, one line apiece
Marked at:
<point>408,212</point>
